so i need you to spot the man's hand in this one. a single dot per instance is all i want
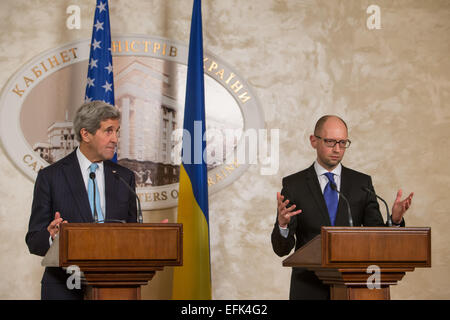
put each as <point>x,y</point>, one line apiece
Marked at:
<point>400,206</point>
<point>53,227</point>
<point>285,214</point>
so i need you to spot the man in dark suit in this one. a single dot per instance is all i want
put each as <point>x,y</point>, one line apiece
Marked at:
<point>307,202</point>
<point>61,192</point>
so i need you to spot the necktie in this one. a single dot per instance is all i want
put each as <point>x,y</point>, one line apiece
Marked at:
<point>331,198</point>
<point>92,168</point>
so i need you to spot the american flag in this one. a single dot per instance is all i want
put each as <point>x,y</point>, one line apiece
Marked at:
<point>100,82</point>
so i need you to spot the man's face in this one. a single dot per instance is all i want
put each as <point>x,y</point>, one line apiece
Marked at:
<point>102,145</point>
<point>330,157</point>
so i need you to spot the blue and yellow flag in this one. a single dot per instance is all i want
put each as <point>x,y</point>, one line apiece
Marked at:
<point>192,281</point>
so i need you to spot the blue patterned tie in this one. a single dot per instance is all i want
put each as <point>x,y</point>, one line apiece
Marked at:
<point>331,198</point>
<point>93,167</point>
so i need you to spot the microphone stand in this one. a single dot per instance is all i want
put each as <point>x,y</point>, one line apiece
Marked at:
<point>92,176</point>
<point>350,218</point>
<point>389,220</point>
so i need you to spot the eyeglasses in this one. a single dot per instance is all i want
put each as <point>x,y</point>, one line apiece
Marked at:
<point>331,142</point>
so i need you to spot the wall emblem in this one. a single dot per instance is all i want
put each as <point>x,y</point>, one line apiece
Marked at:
<point>38,103</point>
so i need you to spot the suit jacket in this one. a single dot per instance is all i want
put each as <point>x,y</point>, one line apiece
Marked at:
<point>60,187</point>
<point>303,190</point>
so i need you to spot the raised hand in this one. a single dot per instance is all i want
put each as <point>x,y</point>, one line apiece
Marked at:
<point>53,227</point>
<point>284,213</point>
<point>400,206</point>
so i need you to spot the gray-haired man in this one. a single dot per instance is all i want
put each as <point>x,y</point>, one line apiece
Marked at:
<point>61,190</point>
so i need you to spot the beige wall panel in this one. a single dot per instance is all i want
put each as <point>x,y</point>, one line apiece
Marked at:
<point>303,59</point>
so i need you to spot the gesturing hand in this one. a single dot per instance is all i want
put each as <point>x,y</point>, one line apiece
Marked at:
<point>400,206</point>
<point>285,214</point>
<point>53,227</point>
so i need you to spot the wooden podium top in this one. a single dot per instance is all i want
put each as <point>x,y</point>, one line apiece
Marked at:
<point>347,247</point>
<point>117,245</point>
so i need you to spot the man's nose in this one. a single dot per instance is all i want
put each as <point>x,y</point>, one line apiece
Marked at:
<point>337,147</point>
<point>115,137</point>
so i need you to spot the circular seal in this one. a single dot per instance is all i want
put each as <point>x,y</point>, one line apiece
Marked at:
<point>39,101</point>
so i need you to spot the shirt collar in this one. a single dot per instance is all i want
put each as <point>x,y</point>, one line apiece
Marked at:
<point>321,170</point>
<point>85,163</point>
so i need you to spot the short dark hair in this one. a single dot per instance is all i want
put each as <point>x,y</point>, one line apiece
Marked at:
<point>90,114</point>
<point>322,120</point>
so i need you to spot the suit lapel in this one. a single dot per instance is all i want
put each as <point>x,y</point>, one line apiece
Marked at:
<point>110,186</point>
<point>342,213</point>
<point>76,185</point>
<point>314,187</point>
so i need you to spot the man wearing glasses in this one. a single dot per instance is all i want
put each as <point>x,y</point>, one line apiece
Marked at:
<point>308,201</point>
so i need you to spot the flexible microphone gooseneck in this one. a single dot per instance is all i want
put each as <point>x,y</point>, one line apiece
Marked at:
<point>350,218</point>
<point>116,174</point>
<point>92,176</point>
<point>389,220</point>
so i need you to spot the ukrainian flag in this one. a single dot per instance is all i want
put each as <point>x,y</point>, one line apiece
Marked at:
<point>192,281</point>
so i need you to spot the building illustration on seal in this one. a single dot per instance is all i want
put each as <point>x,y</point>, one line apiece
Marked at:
<point>146,94</point>
<point>38,103</point>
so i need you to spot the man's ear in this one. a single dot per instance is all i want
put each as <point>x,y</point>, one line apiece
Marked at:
<point>85,135</point>
<point>313,141</point>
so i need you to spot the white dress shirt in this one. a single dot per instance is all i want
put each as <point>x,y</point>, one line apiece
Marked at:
<point>99,176</point>
<point>323,180</point>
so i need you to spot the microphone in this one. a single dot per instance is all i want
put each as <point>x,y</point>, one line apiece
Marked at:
<point>389,220</point>
<point>140,220</point>
<point>350,218</point>
<point>92,176</point>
